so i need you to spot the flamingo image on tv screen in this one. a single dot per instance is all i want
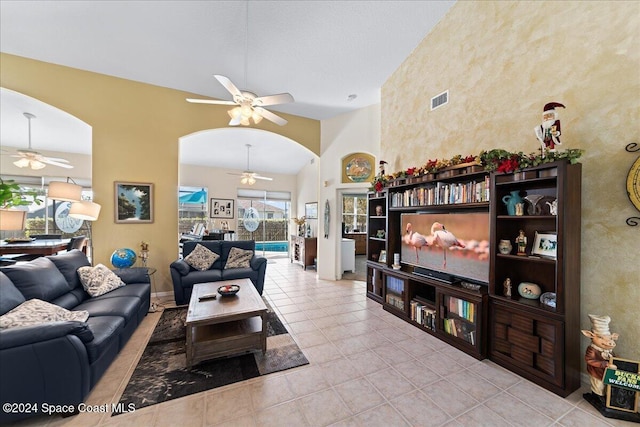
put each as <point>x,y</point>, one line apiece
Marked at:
<point>456,244</point>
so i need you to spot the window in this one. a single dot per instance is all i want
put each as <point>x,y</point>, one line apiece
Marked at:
<point>354,213</point>
<point>192,207</point>
<point>274,208</point>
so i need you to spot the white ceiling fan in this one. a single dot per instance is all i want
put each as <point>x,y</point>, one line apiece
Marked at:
<point>248,176</point>
<point>248,104</point>
<point>35,160</point>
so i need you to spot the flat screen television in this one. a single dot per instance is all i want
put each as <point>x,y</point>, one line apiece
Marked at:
<point>447,246</point>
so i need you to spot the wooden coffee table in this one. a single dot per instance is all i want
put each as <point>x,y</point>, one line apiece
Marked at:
<point>226,325</point>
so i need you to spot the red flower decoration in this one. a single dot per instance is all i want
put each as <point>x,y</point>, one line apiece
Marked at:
<point>379,186</point>
<point>508,165</point>
<point>410,171</point>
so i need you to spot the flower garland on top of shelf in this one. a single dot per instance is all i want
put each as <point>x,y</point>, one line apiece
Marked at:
<point>496,159</point>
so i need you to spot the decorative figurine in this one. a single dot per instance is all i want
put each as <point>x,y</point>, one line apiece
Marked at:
<point>553,207</point>
<point>519,209</point>
<point>521,243</point>
<point>379,210</point>
<point>599,351</point>
<point>381,167</point>
<point>507,287</point>
<point>548,132</point>
<point>144,252</point>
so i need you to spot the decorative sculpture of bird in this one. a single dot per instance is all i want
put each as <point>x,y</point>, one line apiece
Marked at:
<point>416,240</point>
<point>445,239</point>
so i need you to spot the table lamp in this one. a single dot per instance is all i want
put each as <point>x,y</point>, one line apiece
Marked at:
<point>12,220</point>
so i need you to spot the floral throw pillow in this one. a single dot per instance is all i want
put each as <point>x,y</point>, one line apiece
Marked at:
<point>201,258</point>
<point>238,258</point>
<point>99,280</point>
<point>36,311</point>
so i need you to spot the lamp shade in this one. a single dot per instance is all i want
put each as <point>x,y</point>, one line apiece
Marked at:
<point>66,191</point>
<point>11,220</point>
<point>85,209</point>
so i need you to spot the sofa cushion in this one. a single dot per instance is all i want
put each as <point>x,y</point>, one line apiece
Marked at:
<point>201,277</point>
<point>239,258</point>
<point>240,273</point>
<point>35,311</point>
<point>106,331</point>
<point>125,307</point>
<point>99,280</point>
<point>10,296</point>
<point>38,279</point>
<point>201,258</point>
<point>68,263</point>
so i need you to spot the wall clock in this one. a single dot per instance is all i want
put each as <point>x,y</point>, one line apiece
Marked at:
<point>633,183</point>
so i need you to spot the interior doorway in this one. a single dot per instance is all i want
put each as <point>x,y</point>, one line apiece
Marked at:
<point>353,215</point>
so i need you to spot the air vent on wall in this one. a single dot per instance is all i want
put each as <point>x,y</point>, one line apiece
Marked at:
<point>440,100</point>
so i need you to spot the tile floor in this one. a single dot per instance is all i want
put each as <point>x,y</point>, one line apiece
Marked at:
<point>367,368</point>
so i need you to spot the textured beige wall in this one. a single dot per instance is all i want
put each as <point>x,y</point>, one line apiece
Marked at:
<point>502,61</point>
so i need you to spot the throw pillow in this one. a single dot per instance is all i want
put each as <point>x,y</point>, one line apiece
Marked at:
<point>99,280</point>
<point>238,258</point>
<point>35,311</point>
<point>201,258</point>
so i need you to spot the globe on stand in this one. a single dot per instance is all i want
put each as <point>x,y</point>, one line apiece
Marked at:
<point>123,258</point>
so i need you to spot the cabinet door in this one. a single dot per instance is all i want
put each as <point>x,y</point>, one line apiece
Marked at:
<point>531,342</point>
<point>374,283</point>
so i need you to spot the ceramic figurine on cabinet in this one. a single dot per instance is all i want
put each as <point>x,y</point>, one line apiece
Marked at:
<point>548,132</point>
<point>553,207</point>
<point>507,287</point>
<point>521,243</point>
<point>379,210</point>
<point>599,351</point>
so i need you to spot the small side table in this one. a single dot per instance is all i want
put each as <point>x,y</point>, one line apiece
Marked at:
<point>155,306</point>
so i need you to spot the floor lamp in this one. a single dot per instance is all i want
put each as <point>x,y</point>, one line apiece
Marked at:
<point>89,212</point>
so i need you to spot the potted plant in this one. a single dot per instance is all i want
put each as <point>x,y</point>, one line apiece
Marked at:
<point>11,196</point>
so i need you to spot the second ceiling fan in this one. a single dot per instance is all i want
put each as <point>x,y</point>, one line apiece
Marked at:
<point>249,105</point>
<point>248,176</point>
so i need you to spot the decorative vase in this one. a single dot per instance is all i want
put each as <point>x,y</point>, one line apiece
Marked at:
<point>511,200</point>
<point>529,290</point>
<point>505,247</point>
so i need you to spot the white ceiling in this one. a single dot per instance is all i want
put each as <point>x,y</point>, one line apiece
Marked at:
<point>319,51</point>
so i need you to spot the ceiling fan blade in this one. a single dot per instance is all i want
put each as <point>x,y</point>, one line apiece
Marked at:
<point>224,81</point>
<point>210,101</point>
<point>54,163</point>
<point>281,98</point>
<point>271,116</point>
<point>57,159</point>
<point>235,174</point>
<point>265,178</point>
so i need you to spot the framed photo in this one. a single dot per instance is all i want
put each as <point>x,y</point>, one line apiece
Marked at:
<point>311,210</point>
<point>221,208</point>
<point>133,202</point>
<point>623,398</point>
<point>545,244</point>
<point>383,256</point>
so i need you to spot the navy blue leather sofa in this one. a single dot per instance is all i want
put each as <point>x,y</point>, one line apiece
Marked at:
<point>184,276</point>
<point>58,363</point>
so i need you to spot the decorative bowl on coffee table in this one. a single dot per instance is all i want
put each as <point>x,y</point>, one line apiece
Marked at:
<point>228,290</point>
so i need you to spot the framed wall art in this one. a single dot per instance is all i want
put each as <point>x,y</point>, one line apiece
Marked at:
<point>133,202</point>
<point>311,210</point>
<point>358,167</point>
<point>221,208</point>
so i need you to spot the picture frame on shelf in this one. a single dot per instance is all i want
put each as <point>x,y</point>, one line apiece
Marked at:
<point>133,202</point>
<point>221,208</point>
<point>311,210</point>
<point>383,256</point>
<point>545,244</point>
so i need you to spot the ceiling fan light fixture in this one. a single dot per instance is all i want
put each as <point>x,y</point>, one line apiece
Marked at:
<point>256,116</point>
<point>22,163</point>
<point>36,165</point>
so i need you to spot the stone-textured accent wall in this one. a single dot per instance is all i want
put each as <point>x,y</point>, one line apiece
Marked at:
<point>502,61</point>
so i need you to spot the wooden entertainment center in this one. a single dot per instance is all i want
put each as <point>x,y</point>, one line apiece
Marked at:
<point>537,340</point>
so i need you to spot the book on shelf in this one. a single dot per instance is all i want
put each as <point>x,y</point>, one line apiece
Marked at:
<point>422,314</point>
<point>460,329</point>
<point>443,193</point>
<point>462,308</point>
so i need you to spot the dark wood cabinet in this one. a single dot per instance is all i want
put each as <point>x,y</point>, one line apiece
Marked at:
<point>375,243</point>
<point>304,250</point>
<point>538,340</point>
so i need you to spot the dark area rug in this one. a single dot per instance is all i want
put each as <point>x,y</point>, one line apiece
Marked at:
<point>162,375</point>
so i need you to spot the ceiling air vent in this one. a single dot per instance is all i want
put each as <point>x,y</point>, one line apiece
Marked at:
<point>440,100</point>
